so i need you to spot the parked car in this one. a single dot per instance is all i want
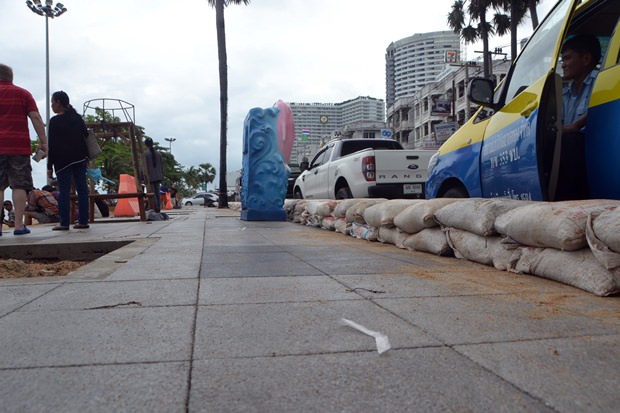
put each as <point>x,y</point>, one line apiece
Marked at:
<point>200,198</point>
<point>364,168</point>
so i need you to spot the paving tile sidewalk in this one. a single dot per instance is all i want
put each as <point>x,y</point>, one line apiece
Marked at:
<point>208,313</point>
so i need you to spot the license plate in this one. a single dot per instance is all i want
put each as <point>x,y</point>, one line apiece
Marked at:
<point>412,188</point>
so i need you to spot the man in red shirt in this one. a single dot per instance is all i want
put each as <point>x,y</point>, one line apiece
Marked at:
<point>16,106</point>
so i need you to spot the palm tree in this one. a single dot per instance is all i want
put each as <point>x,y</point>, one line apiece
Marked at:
<point>518,10</point>
<point>223,68</point>
<point>207,172</point>
<point>470,33</point>
<point>192,178</point>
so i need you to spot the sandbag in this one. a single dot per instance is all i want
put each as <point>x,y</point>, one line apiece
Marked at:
<point>382,214</point>
<point>431,240</point>
<point>340,210</point>
<point>363,231</point>
<point>476,215</point>
<point>577,268</point>
<point>608,258</point>
<point>606,227</point>
<point>392,235</point>
<point>341,225</point>
<point>356,212</point>
<point>321,207</point>
<point>418,216</point>
<point>483,250</point>
<point>328,223</point>
<point>560,225</point>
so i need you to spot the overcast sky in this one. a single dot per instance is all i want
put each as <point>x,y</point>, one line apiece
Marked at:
<point>161,56</point>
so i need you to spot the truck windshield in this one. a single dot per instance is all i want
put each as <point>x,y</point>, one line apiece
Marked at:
<point>348,147</point>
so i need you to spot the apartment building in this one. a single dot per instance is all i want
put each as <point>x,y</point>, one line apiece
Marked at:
<point>417,60</point>
<point>430,115</point>
<point>316,123</point>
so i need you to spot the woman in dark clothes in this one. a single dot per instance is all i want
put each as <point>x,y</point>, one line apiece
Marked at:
<point>68,157</point>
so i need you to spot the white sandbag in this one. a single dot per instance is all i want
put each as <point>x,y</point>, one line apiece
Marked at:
<point>474,247</point>
<point>321,207</point>
<point>476,215</point>
<point>363,231</point>
<point>298,209</point>
<point>392,235</point>
<point>343,205</point>
<point>608,258</point>
<point>382,214</point>
<point>577,268</point>
<point>328,223</point>
<point>431,240</point>
<point>416,217</point>
<point>313,220</point>
<point>341,225</point>
<point>560,225</point>
<point>606,227</point>
<point>356,212</point>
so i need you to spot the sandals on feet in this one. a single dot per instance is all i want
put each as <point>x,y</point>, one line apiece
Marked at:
<point>21,231</point>
<point>81,226</point>
<point>61,228</point>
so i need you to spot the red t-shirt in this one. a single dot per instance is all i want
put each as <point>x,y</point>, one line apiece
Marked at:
<point>15,104</point>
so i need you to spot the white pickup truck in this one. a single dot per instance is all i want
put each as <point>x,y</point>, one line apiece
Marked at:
<point>364,168</point>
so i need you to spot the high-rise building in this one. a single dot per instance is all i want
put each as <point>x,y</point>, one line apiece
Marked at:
<point>417,60</point>
<point>316,123</point>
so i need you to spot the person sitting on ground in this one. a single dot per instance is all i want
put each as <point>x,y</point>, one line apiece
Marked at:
<point>580,56</point>
<point>10,214</point>
<point>41,206</point>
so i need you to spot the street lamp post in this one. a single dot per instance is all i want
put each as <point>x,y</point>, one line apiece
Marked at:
<point>170,140</point>
<point>47,10</point>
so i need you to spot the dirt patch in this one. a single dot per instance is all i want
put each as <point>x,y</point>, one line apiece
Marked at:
<point>12,268</point>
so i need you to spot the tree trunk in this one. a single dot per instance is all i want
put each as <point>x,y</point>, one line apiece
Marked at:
<point>533,13</point>
<point>513,30</point>
<point>223,67</point>
<point>487,59</point>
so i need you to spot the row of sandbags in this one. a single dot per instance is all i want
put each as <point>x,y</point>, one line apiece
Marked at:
<point>574,242</point>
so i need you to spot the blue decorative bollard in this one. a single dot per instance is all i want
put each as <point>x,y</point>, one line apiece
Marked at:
<point>265,176</point>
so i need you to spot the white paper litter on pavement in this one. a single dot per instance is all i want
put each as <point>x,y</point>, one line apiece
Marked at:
<point>383,344</point>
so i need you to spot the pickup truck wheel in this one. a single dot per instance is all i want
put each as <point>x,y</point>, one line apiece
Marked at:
<point>456,192</point>
<point>344,193</point>
<point>297,194</point>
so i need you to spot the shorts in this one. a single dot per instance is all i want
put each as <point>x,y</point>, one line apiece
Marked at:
<point>16,172</point>
<point>43,218</point>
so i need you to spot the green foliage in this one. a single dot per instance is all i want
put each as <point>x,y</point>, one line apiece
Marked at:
<point>116,159</point>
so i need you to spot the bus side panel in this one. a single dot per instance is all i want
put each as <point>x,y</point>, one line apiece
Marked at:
<point>509,166</point>
<point>461,164</point>
<point>603,150</point>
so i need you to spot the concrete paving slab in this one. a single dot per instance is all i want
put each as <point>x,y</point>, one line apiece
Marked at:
<point>257,264</point>
<point>578,374</point>
<point>343,264</point>
<point>255,290</point>
<point>152,387</point>
<point>409,285</point>
<point>118,335</point>
<point>150,293</point>
<point>253,330</point>
<point>13,297</point>
<point>489,318</point>
<point>415,380</point>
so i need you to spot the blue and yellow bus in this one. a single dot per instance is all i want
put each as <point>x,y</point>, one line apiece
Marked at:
<point>511,147</point>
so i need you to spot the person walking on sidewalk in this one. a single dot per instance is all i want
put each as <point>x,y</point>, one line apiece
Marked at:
<point>16,106</point>
<point>155,170</point>
<point>68,157</point>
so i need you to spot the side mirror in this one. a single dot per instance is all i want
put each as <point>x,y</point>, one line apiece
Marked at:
<point>480,91</point>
